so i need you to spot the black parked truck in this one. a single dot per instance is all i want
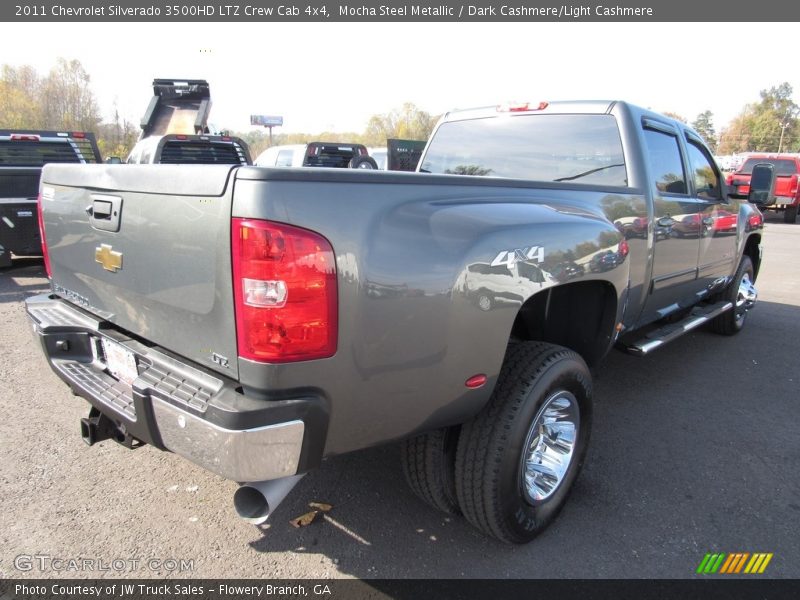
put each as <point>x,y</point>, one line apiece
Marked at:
<point>23,153</point>
<point>256,320</point>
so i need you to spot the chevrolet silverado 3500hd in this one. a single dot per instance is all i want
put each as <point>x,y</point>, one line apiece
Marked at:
<point>256,320</point>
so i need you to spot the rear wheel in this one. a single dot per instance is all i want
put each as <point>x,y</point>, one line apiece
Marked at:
<point>429,467</point>
<point>790,214</point>
<point>742,293</point>
<point>518,458</point>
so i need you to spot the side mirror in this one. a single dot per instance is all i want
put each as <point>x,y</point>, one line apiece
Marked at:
<point>113,160</point>
<point>762,184</point>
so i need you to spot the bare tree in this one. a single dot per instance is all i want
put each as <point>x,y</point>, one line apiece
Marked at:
<point>67,98</point>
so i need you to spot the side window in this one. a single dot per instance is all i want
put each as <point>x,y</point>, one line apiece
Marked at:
<point>704,172</point>
<point>666,166</point>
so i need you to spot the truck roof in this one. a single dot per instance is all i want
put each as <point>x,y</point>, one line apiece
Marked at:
<point>557,107</point>
<point>561,106</point>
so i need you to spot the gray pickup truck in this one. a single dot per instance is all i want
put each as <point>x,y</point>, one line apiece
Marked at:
<point>256,320</point>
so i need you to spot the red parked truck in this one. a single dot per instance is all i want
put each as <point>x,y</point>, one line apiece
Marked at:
<point>787,192</point>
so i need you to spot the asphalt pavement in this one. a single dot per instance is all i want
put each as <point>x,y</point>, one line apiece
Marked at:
<point>695,449</point>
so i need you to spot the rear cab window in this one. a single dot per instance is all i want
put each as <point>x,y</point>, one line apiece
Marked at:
<point>180,152</point>
<point>579,148</point>
<point>36,154</point>
<point>332,155</point>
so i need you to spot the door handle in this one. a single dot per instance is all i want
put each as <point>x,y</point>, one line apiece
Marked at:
<point>101,209</point>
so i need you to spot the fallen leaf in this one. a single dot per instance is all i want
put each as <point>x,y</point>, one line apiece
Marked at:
<point>304,520</point>
<point>321,506</point>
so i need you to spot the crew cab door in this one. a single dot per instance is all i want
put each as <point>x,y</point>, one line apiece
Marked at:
<point>718,217</point>
<point>676,229</point>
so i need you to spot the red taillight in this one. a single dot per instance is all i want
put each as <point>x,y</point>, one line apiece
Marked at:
<point>24,137</point>
<point>181,137</point>
<point>78,135</point>
<point>285,292</point>
<point>45,253</point>
<point>624,248</point>
<point>793,185</point>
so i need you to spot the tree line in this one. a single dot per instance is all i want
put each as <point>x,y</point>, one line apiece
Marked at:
<point>63,99</point>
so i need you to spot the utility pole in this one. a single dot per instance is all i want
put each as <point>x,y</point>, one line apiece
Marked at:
<point>790,113</point>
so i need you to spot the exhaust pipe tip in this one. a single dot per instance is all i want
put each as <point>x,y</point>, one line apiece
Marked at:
<point>251,505</point>
<point>255,501</point>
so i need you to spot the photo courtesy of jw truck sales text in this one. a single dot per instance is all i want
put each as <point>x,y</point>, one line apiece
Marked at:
<point>257,320</point>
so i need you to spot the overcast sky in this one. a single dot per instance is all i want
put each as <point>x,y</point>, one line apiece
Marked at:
<point>334,76</point>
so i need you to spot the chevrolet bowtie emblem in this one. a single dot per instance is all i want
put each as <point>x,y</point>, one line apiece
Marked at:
<point>110,259</point>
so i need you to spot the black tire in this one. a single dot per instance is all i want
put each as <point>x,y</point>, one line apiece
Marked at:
<point>790,214</point>
<point>429,466</point>
<point>732,321</point>
<point>490,461</point>
<point>362,162</point>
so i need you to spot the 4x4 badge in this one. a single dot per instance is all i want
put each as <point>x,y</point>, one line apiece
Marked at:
<point>511,257</point>
<point>110,259</point>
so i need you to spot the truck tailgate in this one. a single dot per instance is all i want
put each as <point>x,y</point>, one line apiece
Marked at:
<point>147,249</point>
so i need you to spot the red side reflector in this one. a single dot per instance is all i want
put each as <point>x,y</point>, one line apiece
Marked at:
<point>475,381</point>
<point>285,292</point>
<point>24,137</point>
<point>45,253</point>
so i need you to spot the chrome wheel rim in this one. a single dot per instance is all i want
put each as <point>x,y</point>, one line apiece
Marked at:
<point>550,446</point>
<point>746,297</point>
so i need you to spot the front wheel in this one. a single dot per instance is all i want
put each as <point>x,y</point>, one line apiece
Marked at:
<point>743,294</point>
<point>518,458</point>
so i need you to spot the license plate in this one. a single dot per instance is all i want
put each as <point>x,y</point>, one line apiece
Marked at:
<point>121,362</point>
